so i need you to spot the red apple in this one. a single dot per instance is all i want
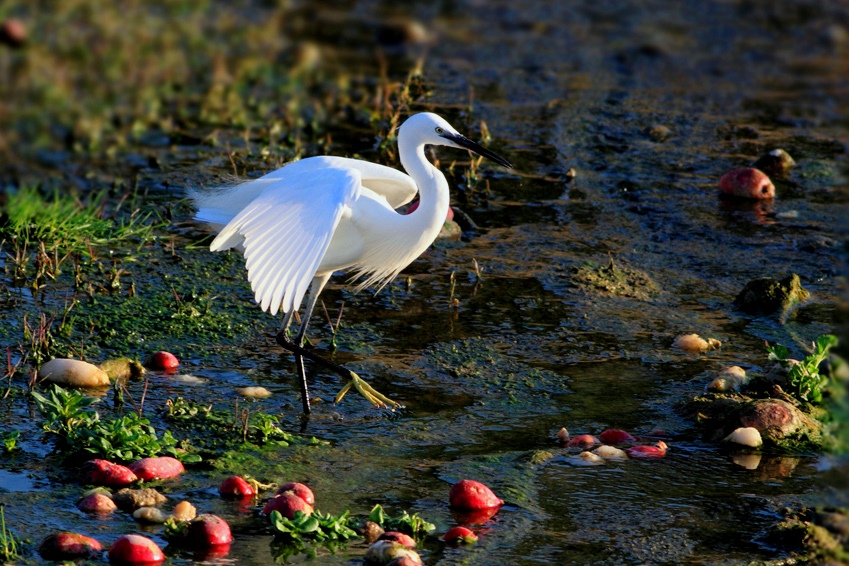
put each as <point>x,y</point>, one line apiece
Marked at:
<point>208,530</point>
<point>236,486</point>
<point>582,441</point>
<point>460,535</point>
<point>286,504</point>
<point>163,361</point>
<point>747,182</point>
<point>68,546</point>
<point>158,468</point>
<point>135,549</point>
<point>298,489</point>
<point>615,436</point>
<point>211,553</point>
<point>400,538</point>
<point>470,494</point>
<point>657,451</point>
<point>474,517</point>
<point>96,503</point>
<point>104,472</point>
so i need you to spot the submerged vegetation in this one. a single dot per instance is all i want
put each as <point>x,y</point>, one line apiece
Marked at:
<point>216,430</point>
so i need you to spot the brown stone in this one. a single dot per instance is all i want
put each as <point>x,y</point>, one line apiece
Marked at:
<point>772,418</point>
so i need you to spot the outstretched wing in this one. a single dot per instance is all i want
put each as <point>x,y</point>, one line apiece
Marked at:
<point>393,185</point>
<point>286,231</point>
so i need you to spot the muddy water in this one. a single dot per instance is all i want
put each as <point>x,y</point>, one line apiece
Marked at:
<point>527,350</point>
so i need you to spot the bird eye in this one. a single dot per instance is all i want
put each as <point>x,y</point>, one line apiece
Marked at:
<point>439,130</point>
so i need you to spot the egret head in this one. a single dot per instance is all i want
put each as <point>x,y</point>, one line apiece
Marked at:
<point>430,129</point>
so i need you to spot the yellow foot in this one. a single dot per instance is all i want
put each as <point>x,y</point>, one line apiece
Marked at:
<point>373,396</point>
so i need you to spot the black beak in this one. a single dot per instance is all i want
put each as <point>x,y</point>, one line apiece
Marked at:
<point>463,141</point>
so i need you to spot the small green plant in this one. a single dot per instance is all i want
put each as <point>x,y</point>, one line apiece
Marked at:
<point>263,430</point>
<point>216,429</point>
<point>82,432</point>
<point>318,527</point>
<point>63,410</point>
<point>804,380</point>
<point>9,544</point>
<point>10,440</point>
<point>405,523</point>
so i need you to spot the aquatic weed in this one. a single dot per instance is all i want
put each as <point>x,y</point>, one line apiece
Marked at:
<point>214,430</point>
<point>405,523</point>
<point>82,431</point>
<point>804,379</point>
<point>317,527</point>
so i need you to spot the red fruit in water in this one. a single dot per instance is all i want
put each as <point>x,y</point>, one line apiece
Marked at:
<point>236,486</point>
<point>400,538</point>
<point>135,549</point>
<point>474,517</point>
<point>208,530</point>
<point>286,504</point>
<point>158,468</point>
<point>657,451</point>
<point>582,441</point>
<point>298,489</point>
<point>210,553</point>
<point>163,361</point>
<point>460,535</point>
<point>615,436</point>
<point>96,503</point>
<point>68,546</point>
<point>104,472</point>
<point>470,494</point>
<point>747,182</point>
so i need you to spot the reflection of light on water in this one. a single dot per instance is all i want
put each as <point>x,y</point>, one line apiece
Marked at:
<point>12,482</point>
<point>830,462</point>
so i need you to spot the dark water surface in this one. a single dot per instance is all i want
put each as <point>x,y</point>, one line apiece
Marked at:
<point>527,351</point>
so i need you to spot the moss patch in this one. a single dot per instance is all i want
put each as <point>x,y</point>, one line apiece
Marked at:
<point>619,280</point>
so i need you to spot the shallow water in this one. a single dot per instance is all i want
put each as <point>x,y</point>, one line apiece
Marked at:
<point>526,350</point>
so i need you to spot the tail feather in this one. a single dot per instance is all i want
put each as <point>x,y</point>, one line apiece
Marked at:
<point>218,206</point>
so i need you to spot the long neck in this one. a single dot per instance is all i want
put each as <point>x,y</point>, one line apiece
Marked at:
<point>433,190</point>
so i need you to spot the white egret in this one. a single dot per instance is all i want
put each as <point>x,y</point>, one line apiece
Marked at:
<point>299,224</point>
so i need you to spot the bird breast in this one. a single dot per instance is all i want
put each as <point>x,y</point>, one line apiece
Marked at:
<point>376,241</point>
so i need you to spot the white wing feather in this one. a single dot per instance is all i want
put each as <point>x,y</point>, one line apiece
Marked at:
<point>285,231</point>
<point>218,205</point>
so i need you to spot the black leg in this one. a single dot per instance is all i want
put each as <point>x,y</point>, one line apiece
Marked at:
<point>297,348</point>
<point>302,378</point>
<point>354,380</point>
